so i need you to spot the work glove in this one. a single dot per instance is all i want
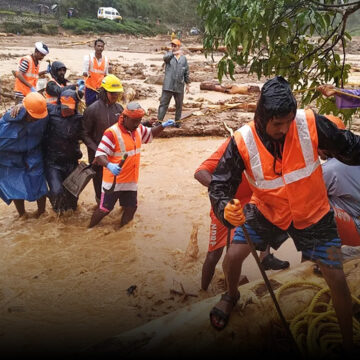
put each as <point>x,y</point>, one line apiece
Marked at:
<point>233,213</point>
<point>48,70</point>
<point>168,123</point>
<point>81,87</point>
<point>114,168</point>
<point>32,89</point>
<point>80,82</point>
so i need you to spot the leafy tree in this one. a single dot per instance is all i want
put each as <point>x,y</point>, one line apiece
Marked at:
<point>299,39</point>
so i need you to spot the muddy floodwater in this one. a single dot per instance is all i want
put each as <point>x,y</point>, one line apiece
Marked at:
<point>64,287</point>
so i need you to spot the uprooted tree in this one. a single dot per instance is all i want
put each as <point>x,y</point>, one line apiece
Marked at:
<point>303,40</point>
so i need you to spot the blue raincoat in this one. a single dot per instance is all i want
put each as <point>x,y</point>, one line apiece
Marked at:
<point>21,161</point>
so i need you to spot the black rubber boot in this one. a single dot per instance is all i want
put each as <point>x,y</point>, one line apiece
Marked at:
<point>270,262</point>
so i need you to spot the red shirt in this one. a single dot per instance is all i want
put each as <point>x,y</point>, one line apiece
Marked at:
<point>243,192</point>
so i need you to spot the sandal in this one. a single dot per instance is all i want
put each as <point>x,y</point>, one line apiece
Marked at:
<point>219,319</point>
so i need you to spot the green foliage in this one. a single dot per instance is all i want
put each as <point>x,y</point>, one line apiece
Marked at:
<point>29,28</point>
<point>168,11</point>
<point>4,12</point>
<point>12,28</point>
<point>300,40</point>
<point>84,26</point>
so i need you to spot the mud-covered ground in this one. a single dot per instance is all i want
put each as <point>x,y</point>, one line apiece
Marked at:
<point>138,63</point>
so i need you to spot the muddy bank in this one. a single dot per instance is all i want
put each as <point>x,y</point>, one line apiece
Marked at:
<point>138,63</point>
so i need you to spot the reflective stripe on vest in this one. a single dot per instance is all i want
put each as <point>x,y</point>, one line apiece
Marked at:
<point>298,196</point>
<point>96,72</point>
<point>128,177</point>
<point>307,149</point>
<point>31,76</point>
<point>122,144</point>
<point>52,99</point>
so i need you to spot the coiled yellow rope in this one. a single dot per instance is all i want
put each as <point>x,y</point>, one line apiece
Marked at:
<point>316,329</point>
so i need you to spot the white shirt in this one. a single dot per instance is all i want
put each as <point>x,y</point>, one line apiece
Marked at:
<point>87,63</point>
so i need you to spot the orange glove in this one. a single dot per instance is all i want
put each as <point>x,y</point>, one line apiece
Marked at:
<point>233,213</point>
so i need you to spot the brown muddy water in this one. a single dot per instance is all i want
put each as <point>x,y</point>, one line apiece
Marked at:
<point>63,287</point>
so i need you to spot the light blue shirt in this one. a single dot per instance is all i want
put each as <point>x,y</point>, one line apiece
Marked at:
<point>343,186</point>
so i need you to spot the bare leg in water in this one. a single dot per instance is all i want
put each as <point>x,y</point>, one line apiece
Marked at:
<point>41,203</point>
<point>211,260</point>
<point>232,264</point>
<point>20,206</point>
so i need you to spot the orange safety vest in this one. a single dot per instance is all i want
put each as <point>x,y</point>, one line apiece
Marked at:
<point>52,99</point>
<point>96,72</point>
<point>31,76</point>
<point>299,194</point>
<point>125,142</point>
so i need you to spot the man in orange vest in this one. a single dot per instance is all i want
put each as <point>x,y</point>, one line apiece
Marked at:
<point>28,72</point>
<point>278,152</point>
<point>96,66</point>
<point>218,232</point>
<point>123,138</point>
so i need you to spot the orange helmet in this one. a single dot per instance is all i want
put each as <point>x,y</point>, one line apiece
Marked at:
<point>177,42</point>
<point>35,105</point>
<point>337,121</point>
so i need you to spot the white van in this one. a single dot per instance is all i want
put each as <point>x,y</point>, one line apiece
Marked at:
<point>108,13</point>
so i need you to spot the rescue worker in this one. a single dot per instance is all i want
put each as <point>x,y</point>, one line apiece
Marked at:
<point>279,153</point>
<point>124,137</point>
<point>342,101</point>
<point>343,189</point>
<point>96,67</point>
<point>99,116</point>
<point>218,232</point>
<point>58,83</point>
<point>176,77</point>
<point>22,174</point>
<point>62,149</point>
<point>28,72</point>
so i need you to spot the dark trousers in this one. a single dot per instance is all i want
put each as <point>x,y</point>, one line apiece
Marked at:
<point>90,96</point>
<point>164,104</point>
<point>60,199</point>
<point>97,179</point>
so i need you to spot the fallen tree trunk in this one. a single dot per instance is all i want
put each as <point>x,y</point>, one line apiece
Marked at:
<point>254,327</point>
<point>248,107</point>
<point>230,89</point>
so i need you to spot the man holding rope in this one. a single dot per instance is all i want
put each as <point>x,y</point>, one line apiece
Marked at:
<point>279,153</point>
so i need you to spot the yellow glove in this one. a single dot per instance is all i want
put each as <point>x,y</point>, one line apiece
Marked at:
<point>233,213</point>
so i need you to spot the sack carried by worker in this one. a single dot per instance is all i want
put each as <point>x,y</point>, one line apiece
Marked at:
<point>79,178</point>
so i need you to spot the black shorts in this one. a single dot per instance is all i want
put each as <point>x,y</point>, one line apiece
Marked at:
<point>126,199</point>
<point>318,242</point>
